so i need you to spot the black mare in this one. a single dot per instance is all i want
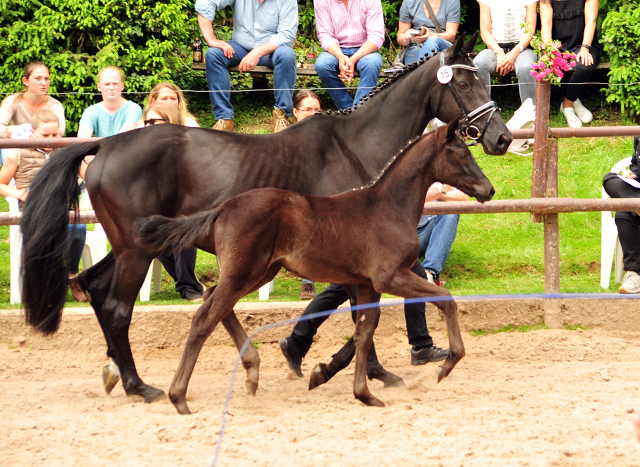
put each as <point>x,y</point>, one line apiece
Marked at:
<point>177,171</point>
<point>324,238</point>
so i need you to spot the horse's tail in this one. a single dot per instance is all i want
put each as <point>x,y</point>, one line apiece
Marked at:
<point>159,232</point>
<point>44,226</point>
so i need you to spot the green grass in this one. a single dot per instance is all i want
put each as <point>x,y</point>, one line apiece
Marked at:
<point>493,253</point>
<point>509,328</point>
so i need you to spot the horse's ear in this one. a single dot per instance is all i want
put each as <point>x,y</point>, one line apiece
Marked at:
<point>452,129</point>
<point>470,45</point>
<point>454,50</point>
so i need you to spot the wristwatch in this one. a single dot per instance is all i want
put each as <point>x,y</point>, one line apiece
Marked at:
<point>520,47</point>
<point>497,51</point>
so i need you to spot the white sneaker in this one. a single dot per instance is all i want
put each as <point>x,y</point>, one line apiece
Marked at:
<point>430,277</point>
<point>570,115</point>
<point>630,283</point>
<point>582,112</point>
<point>523,118</point>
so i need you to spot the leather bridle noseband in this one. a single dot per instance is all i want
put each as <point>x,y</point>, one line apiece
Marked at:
<point>445,76</point>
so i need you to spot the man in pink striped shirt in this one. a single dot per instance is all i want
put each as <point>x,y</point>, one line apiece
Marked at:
<point>351,32</point>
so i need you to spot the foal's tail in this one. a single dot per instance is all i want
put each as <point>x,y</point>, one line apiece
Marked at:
<point>159,232</point>
<point>52,193</point>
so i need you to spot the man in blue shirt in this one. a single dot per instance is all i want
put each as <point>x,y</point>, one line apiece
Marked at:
<point>263,33</point>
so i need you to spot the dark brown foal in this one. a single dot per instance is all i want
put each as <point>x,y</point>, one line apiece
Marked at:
<point>327,239</point>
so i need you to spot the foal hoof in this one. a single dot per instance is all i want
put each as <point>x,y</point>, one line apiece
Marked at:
<point>441,374</point>
<point>151,394</point>
<point>110,377</point>
<point>252,388</point>
<point>319,376</point>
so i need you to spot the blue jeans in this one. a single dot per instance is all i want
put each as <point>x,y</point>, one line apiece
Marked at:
<point>416,52</point>
<point>282,60</point>
<point>75,244</point>
<point>327,67</point>
<point>436,238</point>
<point>486,62</point>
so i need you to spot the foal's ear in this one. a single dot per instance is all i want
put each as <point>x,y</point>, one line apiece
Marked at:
<point>470,45</point>
<point>454,50</point>
<point>452,129</point>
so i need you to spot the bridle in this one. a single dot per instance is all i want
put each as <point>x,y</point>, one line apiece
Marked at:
<point>468,130</point>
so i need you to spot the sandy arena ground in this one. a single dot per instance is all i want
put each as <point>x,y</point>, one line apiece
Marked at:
<point>541,398</point>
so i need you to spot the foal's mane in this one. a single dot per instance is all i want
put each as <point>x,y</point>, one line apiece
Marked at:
<point>398,156</point>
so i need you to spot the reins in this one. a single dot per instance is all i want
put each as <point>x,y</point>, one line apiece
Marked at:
<point>445,76</point>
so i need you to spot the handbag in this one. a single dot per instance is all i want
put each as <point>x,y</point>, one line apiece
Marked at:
<point>398,62</point>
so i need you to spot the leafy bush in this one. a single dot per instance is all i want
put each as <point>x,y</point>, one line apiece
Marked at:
<point>148,39</point>
<point>621,35</point>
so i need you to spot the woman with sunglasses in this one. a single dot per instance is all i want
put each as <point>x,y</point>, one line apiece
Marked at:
<point>169,93</point>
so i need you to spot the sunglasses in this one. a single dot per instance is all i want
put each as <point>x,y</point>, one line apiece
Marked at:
<point>153,121</point>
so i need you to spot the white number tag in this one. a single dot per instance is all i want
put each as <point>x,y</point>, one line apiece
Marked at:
<point>445,74</point>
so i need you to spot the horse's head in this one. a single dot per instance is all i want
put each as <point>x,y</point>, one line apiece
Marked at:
<point>464,93</point>
<point>457,167</point>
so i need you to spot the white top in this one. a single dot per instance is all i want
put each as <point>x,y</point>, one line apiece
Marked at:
<point>506,18</point>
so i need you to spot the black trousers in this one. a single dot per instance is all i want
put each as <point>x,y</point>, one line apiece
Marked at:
<point>181,267</point>
<point>581,74</point>
<point>335,295</point>
<point>628,223</point>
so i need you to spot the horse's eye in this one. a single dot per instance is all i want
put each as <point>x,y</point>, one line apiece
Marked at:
<point>463,85</point>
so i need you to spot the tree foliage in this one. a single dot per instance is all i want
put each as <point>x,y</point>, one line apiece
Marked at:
<point>621,36</point>
<point>147,39</point>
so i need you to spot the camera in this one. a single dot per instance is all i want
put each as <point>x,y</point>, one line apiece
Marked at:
<point>414,32</point>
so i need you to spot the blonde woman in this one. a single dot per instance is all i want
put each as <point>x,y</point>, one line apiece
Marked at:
<point>169,93</point>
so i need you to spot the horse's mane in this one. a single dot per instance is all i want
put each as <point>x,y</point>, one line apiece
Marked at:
<point>379,87</point>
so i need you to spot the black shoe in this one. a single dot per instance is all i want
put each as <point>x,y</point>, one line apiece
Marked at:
<point>428,354</point>
<point>293,361</point>
<point>191,295</point>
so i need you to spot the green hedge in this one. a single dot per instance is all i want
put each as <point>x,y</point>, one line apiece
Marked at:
<point>150,39</point>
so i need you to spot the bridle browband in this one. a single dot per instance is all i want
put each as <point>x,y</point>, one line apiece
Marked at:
<point>467,129</point>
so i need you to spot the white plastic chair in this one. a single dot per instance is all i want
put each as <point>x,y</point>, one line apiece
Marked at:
<point>155,274</point>
<point>609,239</point>
<point>265,290</point>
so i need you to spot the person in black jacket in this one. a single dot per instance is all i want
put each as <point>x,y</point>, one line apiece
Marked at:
<point>628,223</point>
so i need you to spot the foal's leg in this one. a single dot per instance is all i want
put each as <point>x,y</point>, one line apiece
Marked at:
<point>366,323</point>
<point>405,283</point>
<point>250,358</point>
<point>217,307</point>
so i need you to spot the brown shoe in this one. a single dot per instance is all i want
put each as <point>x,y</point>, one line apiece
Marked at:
<point>224,125</point>
<point>76,290</point>
<point>280,120</point>
<point>308,291</point>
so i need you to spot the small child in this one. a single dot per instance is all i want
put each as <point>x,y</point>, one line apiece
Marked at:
<point>22,165</point>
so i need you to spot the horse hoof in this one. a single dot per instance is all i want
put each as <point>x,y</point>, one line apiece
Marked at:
<point>441,374</point>
<point>182,408</point>
<point>319,376</point>
<point>110,377</point>
<point>371,401</point>
<point>252,388</point>
<point>389,379</point>
<point>152,394</point>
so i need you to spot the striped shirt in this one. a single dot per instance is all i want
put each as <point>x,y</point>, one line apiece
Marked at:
<point>361,23</point>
